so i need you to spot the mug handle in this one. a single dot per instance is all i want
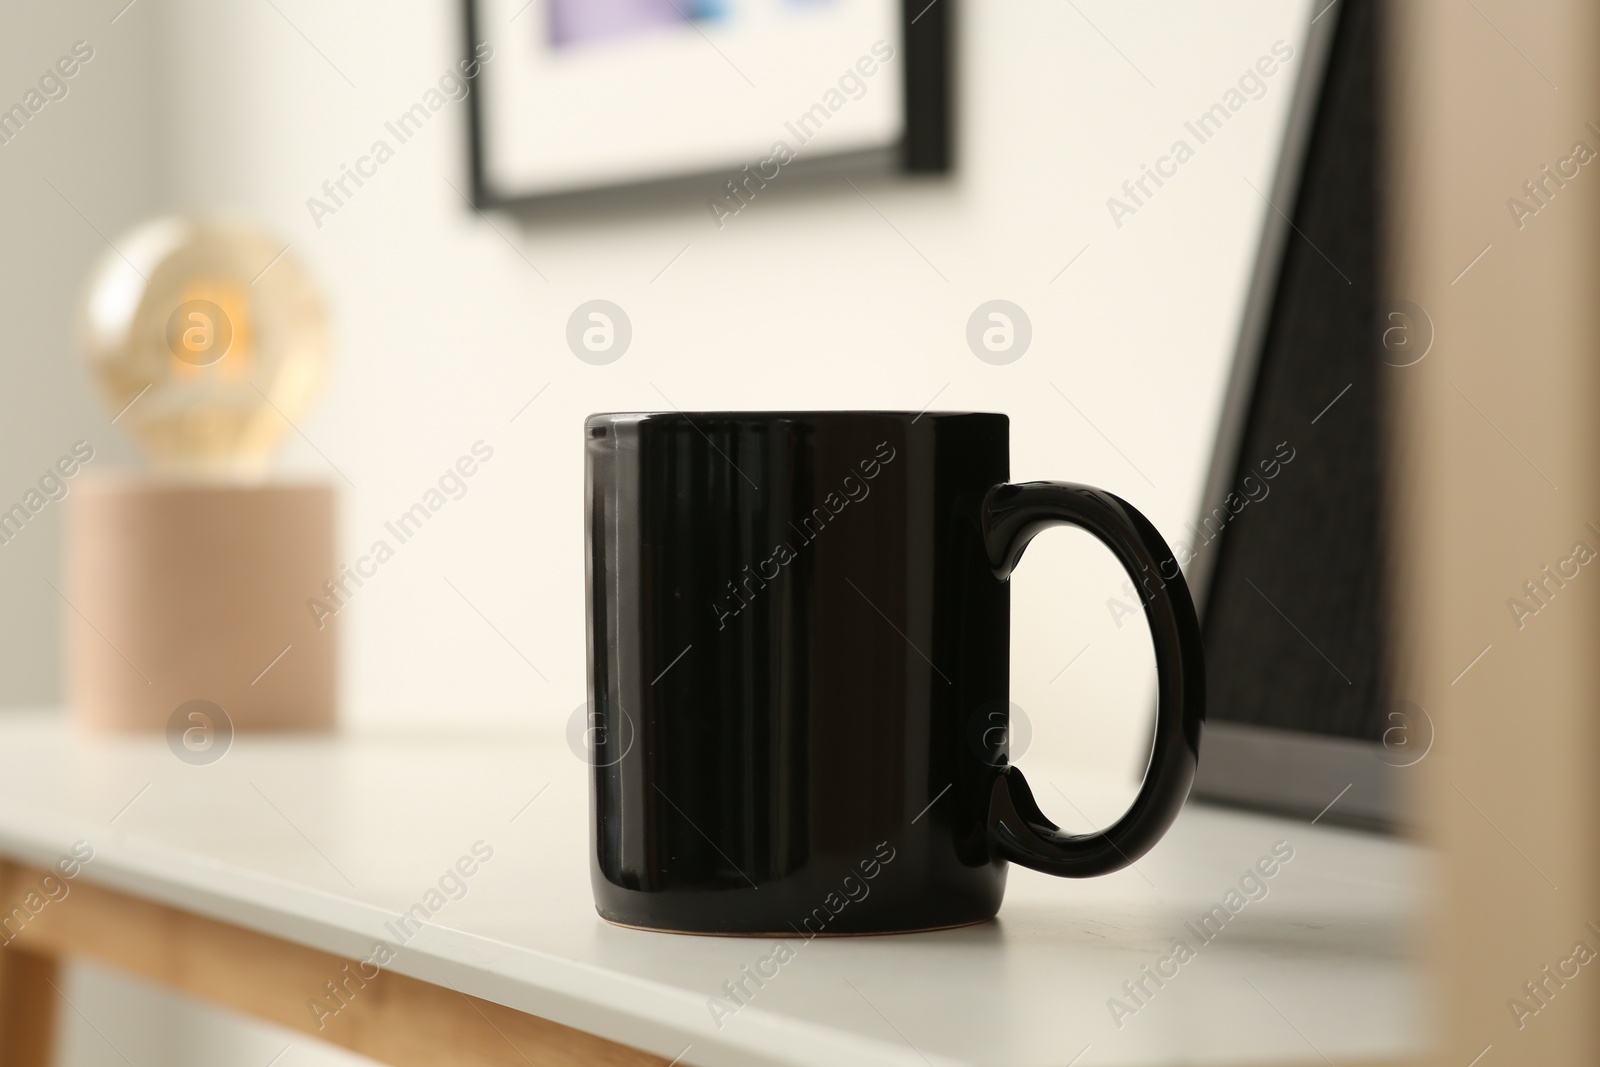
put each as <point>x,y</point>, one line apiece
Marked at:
<point>1019,831</point>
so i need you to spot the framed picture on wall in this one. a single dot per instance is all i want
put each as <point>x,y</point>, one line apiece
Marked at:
<point>605,101</point>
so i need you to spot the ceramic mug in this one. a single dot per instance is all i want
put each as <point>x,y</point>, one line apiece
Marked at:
<point>799,638</point>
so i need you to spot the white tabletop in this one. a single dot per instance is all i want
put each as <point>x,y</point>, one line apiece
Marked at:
<point>324,841</point>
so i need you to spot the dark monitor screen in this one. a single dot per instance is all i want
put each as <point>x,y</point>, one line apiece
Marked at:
<point>1293,595</point>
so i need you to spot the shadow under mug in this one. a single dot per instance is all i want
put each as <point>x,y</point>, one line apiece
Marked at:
<point>799,640</point>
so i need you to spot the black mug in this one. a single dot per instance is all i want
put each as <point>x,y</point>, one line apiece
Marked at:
<point>799,637</point>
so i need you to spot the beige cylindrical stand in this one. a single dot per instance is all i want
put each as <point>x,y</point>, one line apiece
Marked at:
<point>184,591</point>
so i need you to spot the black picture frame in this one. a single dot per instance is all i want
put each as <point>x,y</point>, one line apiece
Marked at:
<point>925,146</point>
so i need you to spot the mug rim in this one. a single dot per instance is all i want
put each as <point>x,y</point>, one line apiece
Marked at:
<point>798,414</point>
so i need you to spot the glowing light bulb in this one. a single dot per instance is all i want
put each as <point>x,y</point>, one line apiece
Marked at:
<point>208,341</point>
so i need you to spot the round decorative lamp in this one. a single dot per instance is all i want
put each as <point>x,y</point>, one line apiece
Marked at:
<point>189,581</point>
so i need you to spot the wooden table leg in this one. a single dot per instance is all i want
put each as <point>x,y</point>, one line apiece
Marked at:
<point>27,1008</point>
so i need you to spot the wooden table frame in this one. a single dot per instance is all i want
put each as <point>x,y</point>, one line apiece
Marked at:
<point>391,1018</point>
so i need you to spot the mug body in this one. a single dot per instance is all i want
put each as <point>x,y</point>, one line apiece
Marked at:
<point>799,658</point>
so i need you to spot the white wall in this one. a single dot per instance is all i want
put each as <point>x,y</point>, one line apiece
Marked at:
<point>807,299</point>
<point>90,152</point>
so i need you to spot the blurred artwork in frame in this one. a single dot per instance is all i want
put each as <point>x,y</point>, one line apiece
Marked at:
<point>603,102</point>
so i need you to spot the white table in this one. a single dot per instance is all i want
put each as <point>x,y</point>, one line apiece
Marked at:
<point>317,844</point>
